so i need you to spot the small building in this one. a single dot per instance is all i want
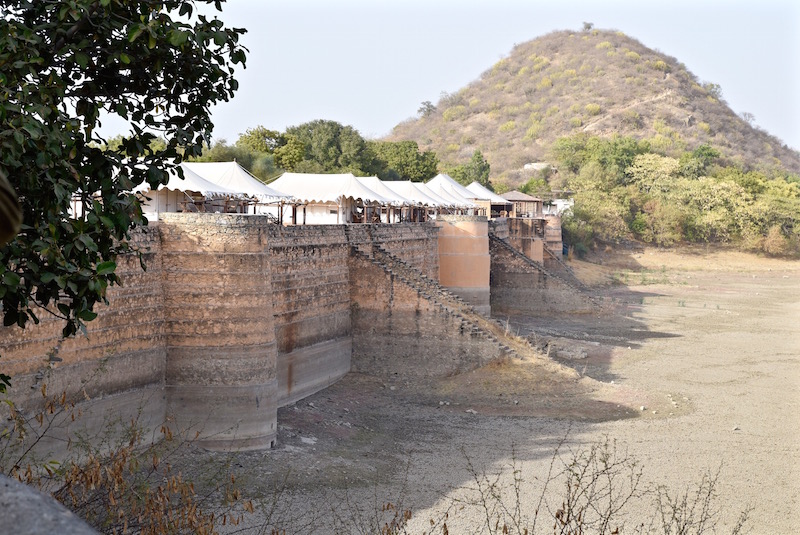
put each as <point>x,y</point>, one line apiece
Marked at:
<point>524,204</point>
<point>495,205</point>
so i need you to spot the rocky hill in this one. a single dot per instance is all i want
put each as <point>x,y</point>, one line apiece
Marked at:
<point>596,82</point>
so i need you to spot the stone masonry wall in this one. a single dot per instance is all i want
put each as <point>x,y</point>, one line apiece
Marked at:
<point>399,334</point>
<point>232,318</point>
<point>518,287</point>
<point>221,354</point>
<point>311,303</point>
<point>119,364</point>
<point>414,243</point>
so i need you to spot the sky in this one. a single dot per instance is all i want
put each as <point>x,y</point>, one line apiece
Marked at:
<point>371,63</point>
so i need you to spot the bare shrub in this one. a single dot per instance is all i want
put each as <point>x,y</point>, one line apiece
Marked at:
<point>590,490</point>
<point>120,481</point>
<point>775,243</point>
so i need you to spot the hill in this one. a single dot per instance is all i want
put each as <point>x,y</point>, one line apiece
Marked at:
<point>597,82</point>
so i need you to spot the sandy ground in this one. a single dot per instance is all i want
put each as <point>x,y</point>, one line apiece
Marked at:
<point>695,367</point>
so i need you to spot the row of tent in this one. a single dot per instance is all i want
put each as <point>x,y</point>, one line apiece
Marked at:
<point>228,187</point>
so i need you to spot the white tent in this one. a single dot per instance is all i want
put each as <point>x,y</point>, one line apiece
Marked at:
<point>191,181</point>
<point>321,188</point>
<point>328,199</point>
<point>445,184</point>
<point>410,191</point>
<point>186,193</point>
<point>378,186</point>
<point>483,193</point>
<point>233,176</point>
<point>451,199</point>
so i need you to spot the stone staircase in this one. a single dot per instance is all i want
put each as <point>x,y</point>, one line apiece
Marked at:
<point>471,321</point>
<point>574,283</point>
<point>565,270</point>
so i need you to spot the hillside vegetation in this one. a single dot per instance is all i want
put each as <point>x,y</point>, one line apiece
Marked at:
<point>593,82</point>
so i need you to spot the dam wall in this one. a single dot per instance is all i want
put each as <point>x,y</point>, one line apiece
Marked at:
<point>232,318</point>
<point>236,316</point>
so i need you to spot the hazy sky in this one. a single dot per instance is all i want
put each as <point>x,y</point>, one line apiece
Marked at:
<point>370,64</point>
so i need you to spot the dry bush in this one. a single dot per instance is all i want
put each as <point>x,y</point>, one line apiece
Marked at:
<point>120,482</point>
<point>586,491</point>
<point>775,243</point>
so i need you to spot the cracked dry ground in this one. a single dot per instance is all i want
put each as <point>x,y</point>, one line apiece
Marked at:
<point>697,369</point>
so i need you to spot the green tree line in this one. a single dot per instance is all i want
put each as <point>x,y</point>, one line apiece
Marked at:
<point>323,146</point>
<point>625,190</point>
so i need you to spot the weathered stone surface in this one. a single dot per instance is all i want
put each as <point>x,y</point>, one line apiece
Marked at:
<point>464,262</point>
<point>29,512</point>
<point>520,287</point>
<point>397,332</point>
<point>219,329</point>
<point>229,308</point>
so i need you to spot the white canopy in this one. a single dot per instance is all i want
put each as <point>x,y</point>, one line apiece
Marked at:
<point>442,189</point>
<point>442,198</point>
<point>410,191</point>
<point>233,176</point>
<point>378,186</point>
<point>321,188</point>
<point>448,185</point>
<point>191,181</point>
<point>486,194</point>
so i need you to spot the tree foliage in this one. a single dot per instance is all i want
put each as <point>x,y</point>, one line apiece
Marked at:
<point>329,147</point>
<point>260,139</point>
<point>402,160</point>
<point>476,170</point>
<point>426,108</point>
<point>624,191</point>
<point>260,164</point>
<point>323,146</point>
<point>64,66</point>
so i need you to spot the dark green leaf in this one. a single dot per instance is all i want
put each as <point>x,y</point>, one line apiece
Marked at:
<point>105,268</point>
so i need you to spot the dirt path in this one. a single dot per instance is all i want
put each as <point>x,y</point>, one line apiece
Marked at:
<point>708,344</point>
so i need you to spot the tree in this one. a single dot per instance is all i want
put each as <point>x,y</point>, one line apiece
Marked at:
<point>261,139</point>
<point>64,66</point>
<point>715,90</point>
<point>696,163</point>
<point>330,147</point>
<point>260,164</point>
<point>477,170</point>
<point>426,108</point>
<point>402,160</point>
<point>291,154</point>
<point>115,144</point>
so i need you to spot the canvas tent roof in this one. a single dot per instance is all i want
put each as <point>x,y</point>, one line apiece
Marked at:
<point>191,181</point>
<point>234,176</point>
<point>322,188</point>
<point>450,197</point>
<point>519,197</point>
<point>441,197</point>
<point>378,186</point>
<point>449,186</point>
<point>486,194</point>
<point>409,190</point>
